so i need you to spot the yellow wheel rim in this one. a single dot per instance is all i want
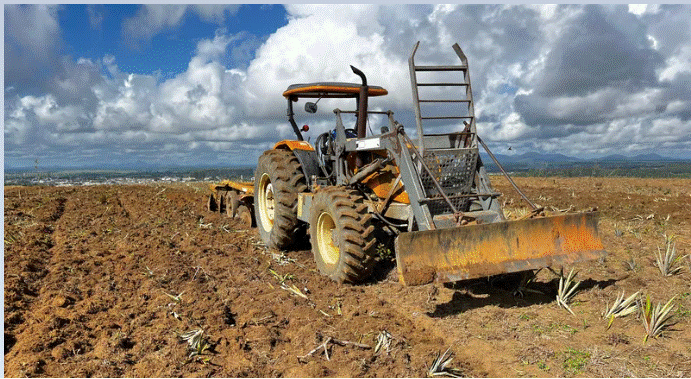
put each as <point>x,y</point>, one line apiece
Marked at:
<point>266,203</point>
<point>328,248</point>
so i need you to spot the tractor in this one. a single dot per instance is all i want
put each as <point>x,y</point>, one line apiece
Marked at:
<point>430,192</point>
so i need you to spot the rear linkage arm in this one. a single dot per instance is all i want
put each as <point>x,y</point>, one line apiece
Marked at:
<point>535,208</point>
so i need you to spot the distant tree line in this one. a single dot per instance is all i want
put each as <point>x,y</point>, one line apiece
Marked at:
<point>664,170</point>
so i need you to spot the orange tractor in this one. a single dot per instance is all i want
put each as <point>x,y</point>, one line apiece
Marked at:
<point>431,192</point>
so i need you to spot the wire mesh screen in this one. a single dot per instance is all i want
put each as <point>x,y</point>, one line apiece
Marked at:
<point>454,169</point>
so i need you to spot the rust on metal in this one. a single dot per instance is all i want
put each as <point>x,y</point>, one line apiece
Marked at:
<point>385,185</point>
<point>476,251</point>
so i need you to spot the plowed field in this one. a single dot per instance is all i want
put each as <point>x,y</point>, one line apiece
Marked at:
<point>104,280</point>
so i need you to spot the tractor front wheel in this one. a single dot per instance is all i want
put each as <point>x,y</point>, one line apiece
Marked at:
<point>278,181</point>
<point>342,235</point>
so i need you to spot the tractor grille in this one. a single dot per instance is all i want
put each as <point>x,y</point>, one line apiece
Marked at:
<point>454,169</point>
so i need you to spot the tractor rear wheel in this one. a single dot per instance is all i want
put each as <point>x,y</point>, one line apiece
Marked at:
<point>278,180</point>
<point>342,235</point>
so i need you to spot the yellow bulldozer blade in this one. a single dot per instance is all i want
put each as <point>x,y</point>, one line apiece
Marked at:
<point>475,251</point>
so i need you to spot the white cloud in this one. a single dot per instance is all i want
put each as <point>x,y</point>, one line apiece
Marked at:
<point>677,64</point>
<point>32,44</point>
<point>214,12</point>
<point>354,38</point>
<point>582,80</point>
<point>213,49</point>
<point>151,20</point>
<point>34,28</point>
<point>641,9</point>
<point>511,128</point>
<point>95,17</point>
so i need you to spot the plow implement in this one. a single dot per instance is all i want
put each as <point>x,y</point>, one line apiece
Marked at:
<point>235,199</point>
<point>474,251</point>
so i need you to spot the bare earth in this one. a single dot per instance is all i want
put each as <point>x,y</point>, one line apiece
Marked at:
<point>102,280</point>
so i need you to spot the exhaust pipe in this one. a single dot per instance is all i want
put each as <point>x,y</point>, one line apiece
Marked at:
<point>361,111</point>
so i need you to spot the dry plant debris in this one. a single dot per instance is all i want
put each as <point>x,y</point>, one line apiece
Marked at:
<point>325,347</point>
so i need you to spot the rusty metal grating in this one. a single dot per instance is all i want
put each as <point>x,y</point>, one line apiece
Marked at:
<point>454,169</point>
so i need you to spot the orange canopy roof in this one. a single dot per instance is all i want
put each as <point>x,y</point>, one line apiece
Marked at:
<point>331,89</point>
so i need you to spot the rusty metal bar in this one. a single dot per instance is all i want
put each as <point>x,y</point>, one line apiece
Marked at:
<point>369,111</point>
<point>506,174</point>
<point>430,199</point>
<point>442,84</point>
<point>441,68</point>
<point>444,101</point>
<point>416,96</point>
<point>445,117</point>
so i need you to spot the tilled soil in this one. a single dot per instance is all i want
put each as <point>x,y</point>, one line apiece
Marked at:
<point>104,281</point>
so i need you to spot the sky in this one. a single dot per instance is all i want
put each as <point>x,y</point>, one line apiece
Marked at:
<point>88,86</point>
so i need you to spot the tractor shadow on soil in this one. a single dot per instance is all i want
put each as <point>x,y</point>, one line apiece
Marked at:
<point>500,291</point>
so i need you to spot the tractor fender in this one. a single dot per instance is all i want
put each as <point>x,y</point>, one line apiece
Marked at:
<point>293,145</point>
<point>305,154</point>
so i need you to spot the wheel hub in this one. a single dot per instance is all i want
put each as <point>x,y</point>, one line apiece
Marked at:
<point>327,239</point>
<point>266,202</point>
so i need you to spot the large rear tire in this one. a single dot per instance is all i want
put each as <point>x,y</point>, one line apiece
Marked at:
<point>278,181</point>
<point>342,235</point>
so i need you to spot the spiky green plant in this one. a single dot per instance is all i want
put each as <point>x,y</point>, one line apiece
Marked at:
<point>567,289</point>
<point>656,320</point>
<point>621,307</point>
<point>439,366</point>
<point>667,262</point>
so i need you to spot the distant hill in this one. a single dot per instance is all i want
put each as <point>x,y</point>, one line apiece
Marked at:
<point>611,158</point>
<point>529,158</point>
<point>652,157</point>
<point>548,157</point>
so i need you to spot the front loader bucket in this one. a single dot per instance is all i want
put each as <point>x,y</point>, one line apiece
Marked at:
<point>474,251</point>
